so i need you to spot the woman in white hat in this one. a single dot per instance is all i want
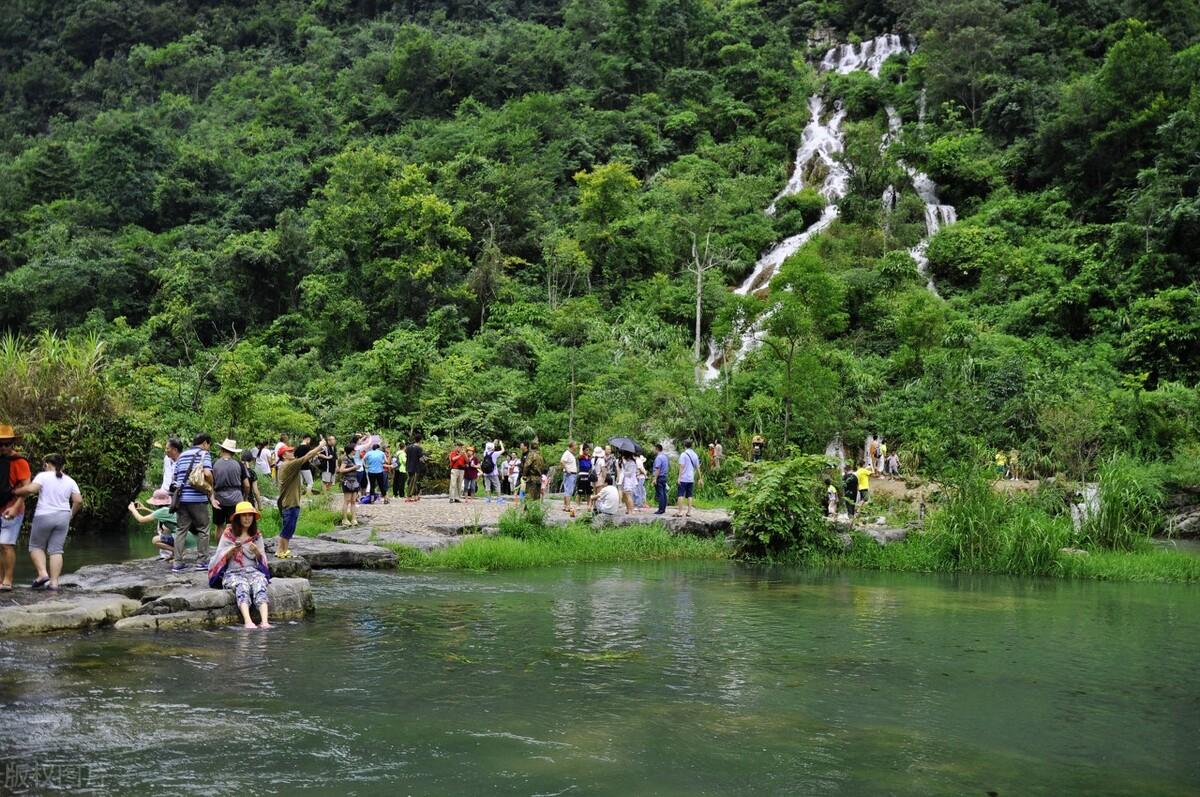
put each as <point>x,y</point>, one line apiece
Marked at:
<point>161,514</point>
<point>240,564</point>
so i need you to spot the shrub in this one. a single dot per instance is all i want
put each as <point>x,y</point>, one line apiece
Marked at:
<point>523,524</point>
<point>1129,505</point>
<point>781,509</point>
<point>55,392</point>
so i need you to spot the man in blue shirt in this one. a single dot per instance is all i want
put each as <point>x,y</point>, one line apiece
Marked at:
<point>374,461</point>
<point>689,472</point>
<point>193,514</point>
<point>661,466</point>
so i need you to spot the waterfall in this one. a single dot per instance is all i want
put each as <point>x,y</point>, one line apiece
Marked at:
<point>820,142</point>
<point>836,451</point>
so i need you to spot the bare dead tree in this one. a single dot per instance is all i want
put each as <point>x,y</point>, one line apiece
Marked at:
<point>703,259</point>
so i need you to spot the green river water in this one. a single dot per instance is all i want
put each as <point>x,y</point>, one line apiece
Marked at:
<point>668,679</point>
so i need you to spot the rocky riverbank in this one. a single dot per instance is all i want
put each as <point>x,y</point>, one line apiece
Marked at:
<point>145,595</point>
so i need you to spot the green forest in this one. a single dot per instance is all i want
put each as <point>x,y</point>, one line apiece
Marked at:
<point>486,219</point>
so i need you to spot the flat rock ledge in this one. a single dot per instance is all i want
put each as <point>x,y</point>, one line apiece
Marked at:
<point>145,594</point>
<point>65,613</point>
<point>323,552</point>
<point>202,607</point>
<point>430,541</point>
<point>883,535</point>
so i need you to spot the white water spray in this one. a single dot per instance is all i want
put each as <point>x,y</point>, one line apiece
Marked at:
<point>820,142</point>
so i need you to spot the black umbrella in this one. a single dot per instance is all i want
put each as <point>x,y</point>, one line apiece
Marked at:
<point>624,444</point>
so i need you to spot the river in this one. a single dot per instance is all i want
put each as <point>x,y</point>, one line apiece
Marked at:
<point>664,678</point>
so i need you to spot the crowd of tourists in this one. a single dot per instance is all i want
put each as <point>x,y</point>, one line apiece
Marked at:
<point>207,486</point>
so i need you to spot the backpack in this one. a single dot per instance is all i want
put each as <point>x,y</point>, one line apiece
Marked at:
<point>488,465</point>
<point>5,478</point>
<point>195,477</point>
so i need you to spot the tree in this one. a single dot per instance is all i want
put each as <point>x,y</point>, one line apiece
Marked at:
<point>703,260</point>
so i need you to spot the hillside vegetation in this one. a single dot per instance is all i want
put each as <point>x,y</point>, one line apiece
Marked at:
<point>475,218</point>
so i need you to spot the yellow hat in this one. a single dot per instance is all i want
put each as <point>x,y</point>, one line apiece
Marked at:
<point>244,508</point>
<point>7,432</point>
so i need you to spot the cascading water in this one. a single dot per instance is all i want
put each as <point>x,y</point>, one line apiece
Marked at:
<point>820,142</point>
<point>937,215</point>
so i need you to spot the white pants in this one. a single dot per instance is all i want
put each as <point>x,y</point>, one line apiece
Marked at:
<point>456,484</point>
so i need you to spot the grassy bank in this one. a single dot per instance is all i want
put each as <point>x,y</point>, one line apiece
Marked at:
<point>562,545</point>
<point>924,553</point>
<point>315,518</point>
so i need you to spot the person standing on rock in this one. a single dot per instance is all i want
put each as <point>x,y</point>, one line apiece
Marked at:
<point>831,499</point>
<point>864,482</point>
<point>400,471</point>
<point>327,462</point>
<point>253,494</point>
<point>458,463</point>
<point>689,474</point>
<point>170,454</point>
<point>414,460</point>
<point>192,511</point>
<point>718,455</point>
<point>470,473</point>
<point>491,478</point>
<point>661,466</point>
<point>570,469</point>
<point>59,501</point>
<point>306,473</point>
<point>639,493</point>
<point>347,472</point>
<point>240,563</point>
<point>533,467</point>
<point>230,483</point>
<point>850,490</point>
<point>278,451</point>
<point>627,475</point>
<point>289,497</point>
<point>14,473</point>
<point>374,462</point>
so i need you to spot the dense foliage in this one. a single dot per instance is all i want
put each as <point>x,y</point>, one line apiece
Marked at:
<point>474,218</point>
<point>56,394</point>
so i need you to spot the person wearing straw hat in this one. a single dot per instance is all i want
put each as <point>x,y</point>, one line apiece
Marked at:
<point>231,484</point>
<point>240,564</point>
<point>161,514</point>
<point>14,472</point>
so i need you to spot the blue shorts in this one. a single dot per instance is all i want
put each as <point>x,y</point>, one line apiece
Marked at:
<point>569,484</point>
<point>291,516</point>
<point>166,539</point>
<point>11,529</point>
<point>687,489</point>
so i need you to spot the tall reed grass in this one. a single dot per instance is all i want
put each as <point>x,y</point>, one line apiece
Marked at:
<point>1130,505</point>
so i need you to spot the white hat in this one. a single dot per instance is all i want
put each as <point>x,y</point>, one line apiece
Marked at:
<point>230,446</point>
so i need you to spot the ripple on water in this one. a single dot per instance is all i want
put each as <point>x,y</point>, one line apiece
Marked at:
<point>669,678</point>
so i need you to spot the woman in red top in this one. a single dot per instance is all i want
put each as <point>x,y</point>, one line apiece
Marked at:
<point>14,472</point>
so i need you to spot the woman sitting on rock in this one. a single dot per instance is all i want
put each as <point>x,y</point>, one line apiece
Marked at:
<point>240,564</point>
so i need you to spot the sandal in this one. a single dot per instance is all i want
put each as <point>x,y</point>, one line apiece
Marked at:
<point>39,583</point>
<point>51,589</point>
<point>5,587</point>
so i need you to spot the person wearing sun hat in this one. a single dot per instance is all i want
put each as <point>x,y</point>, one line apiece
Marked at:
<point>240,564</point>
<point>161,514</point>
<point>14,472</point>
<point>231,483</point>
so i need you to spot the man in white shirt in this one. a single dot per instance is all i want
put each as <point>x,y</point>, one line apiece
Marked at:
<point>608,500</point>
<point>173,450</point>
<point>570,466</point>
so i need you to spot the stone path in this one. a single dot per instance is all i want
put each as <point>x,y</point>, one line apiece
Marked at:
<point>433,522</point>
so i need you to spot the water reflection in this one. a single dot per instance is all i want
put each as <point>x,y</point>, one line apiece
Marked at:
<point>676,678</point>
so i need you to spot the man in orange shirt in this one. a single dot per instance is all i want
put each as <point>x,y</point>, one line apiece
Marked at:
<point>14,472</point>
<point>458,465</point>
